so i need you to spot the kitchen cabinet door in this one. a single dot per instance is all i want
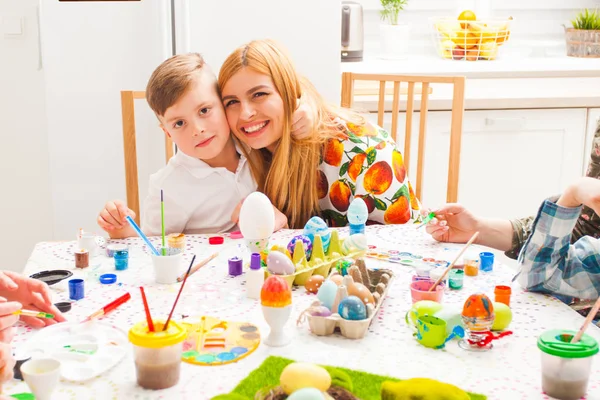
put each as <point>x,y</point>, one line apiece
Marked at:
<point>511,160</point>
<point>592,122</point>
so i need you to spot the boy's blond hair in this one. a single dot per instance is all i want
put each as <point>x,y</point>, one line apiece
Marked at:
<point>171,79</point>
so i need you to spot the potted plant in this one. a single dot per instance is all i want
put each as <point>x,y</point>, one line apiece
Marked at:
<point>394,34</point>
<point>583,39</point>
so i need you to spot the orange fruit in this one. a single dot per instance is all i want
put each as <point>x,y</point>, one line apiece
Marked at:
<point>398,164</point>
<point>322,184</point>
<point>398,212</point>
<point>333,152</point>
<point>414,203</point>
<point>466,15</point>
<point>339,195</point>
<point>378,178</point>
<point>465,39</point>
<point>355,167</point>
<point>362,130</point>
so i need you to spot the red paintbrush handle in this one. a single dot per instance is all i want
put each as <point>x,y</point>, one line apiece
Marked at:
<point>111,306</point>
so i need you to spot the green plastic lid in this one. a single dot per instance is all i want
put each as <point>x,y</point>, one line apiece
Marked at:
<point>557,343</point>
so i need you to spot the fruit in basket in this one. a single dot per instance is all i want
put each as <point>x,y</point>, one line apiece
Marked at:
<point>472,54</point>
<point>466,15</point>
<point>458,53</point>
<point>448,28</point>
<point>488,50</point>
<point>465,39</point>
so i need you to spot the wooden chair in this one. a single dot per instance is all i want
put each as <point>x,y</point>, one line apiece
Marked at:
<point>130,151</point>
<point>458,106</point>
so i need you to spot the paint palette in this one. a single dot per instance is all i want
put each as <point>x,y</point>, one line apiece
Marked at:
<point>405,258</point>
<point>85,350</point>
<point>211,341</point>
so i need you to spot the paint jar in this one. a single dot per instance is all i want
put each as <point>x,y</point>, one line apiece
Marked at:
<point>566,366</point>
<point>76,289</point>
<point>176,240</point>
<point>235,266</point>
<point>486,261</point>
<point>112,248</point>
<point>82,258</point>
<point>502,294</point>
<point>121,260</point>
<point>456,279</point>
<point>419,290</point>
<point>471,265</point>
<point>157,354</point>
<point>167,268</point>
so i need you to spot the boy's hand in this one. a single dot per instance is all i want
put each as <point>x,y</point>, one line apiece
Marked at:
<point>585,191</point>
<point>452,223</point>
<point>112,217</point>
<point>303,121</point>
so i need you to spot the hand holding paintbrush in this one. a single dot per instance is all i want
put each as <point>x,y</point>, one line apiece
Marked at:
<point>441,278</point>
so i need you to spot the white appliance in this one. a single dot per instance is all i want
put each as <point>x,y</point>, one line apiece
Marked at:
<point>87,52</point>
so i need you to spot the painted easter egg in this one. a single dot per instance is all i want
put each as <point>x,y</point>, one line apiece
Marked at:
<point>358,213</point>
<point>327,292</point>
<point>478,306</point>
<point>275,292</point>
<point>356,242</point>
<point>300,375</point>
<point>359,290</point>
<point>280,264</point>
<point>313,283</point>
<point>307,244</point>
<point>257,219</point>
<point>352,308</point>
<point>503,316</point>
<point>320,311</point>
<point>307,394</point>
<point>316,226</point>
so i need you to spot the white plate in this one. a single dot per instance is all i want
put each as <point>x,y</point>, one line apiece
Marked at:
<point>85,350</point>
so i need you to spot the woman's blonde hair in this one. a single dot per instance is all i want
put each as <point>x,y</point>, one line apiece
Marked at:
<point>289,175</point>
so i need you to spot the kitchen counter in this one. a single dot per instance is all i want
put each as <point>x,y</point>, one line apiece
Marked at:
<point>508,66</point>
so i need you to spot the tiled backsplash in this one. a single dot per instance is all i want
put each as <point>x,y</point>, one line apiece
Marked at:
<point>535,22</point>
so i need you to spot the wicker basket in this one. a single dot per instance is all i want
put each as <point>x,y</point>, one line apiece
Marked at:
<point>582,43</point>
<point>469,40</point>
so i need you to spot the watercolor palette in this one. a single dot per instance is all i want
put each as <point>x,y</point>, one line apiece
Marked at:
<point>85,350</point>
<point>404,258</point>
<point>211,341</point>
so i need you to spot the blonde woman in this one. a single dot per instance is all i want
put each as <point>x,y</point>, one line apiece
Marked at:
<point>343,157</point>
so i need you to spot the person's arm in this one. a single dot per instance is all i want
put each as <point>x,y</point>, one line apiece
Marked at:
<point>550,264</point>
<point>112,219</point>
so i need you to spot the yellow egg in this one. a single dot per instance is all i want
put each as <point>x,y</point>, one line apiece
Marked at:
<point>359,290</point>
<point>304,375</point>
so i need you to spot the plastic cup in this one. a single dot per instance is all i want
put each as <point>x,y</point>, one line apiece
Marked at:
<point>157,354</point>
<point>167,268</point>
<point>76,289</point>
<point>419,291</point>
<point>456,279</point>
<point>42,376</point>
<point>121,260</point>
<point>566,366</point>
<point>502,294</point>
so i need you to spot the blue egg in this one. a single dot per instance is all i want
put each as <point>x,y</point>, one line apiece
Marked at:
<point>358,213</point>
<point>327,292</point>
<point>316,226</point>
<point>352,308</point>
<point>306,243</point>
<point>307,394</point>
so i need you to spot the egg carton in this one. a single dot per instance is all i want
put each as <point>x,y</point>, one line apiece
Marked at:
<point>378,281</point>
<point>320,263</point>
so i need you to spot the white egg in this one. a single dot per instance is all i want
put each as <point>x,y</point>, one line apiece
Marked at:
<point>257,218</point>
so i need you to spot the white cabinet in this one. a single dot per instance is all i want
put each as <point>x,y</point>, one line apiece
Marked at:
<point>510,160</point>
<point>592,122</point>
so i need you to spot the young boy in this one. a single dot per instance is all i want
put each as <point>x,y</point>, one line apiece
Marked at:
<point>549,263</point>
<point>208,177</point>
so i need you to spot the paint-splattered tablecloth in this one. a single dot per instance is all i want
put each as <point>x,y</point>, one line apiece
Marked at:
<point>511,370</point>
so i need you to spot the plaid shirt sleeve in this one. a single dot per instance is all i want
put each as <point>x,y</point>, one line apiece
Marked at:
<point>550,264</point>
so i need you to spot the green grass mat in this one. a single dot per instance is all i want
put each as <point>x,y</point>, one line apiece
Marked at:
<point>366,386</point>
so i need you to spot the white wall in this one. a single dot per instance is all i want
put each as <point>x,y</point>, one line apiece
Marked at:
<point>92,51</point>
<point>25,198</point>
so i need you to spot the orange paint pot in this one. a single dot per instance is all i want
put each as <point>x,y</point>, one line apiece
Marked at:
<point>502,294</point>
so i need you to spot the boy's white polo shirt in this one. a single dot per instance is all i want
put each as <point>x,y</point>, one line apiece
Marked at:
<point>198,198</point>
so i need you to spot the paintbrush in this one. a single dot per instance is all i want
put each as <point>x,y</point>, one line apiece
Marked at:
<point>587,322</point>
<point>428,218</point>
<point>162,222</point>
<point>441,278</point>
<point>179,294</point>
<point>197,267</point>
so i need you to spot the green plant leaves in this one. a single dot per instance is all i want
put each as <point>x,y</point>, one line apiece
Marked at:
<point>391,9</point>
<point>587,20</point>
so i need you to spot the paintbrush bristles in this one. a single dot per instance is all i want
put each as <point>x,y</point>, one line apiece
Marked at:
<point>178,294</point>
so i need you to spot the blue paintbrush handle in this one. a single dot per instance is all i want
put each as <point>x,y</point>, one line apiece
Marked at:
<point>141,234</point>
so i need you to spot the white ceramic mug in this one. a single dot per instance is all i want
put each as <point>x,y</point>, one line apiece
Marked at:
<point>169,267</point>
<point>42,376</point>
